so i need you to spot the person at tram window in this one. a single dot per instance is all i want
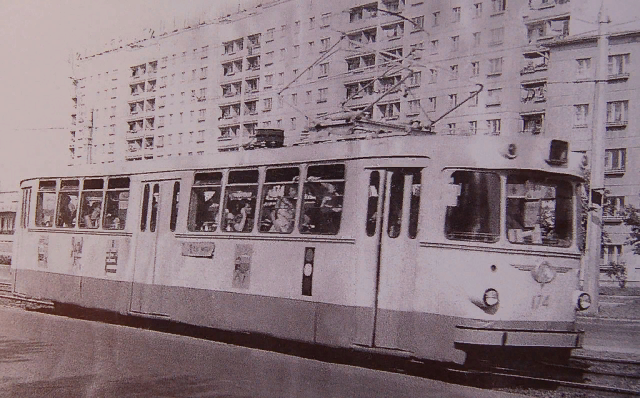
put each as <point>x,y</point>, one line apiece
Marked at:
<point>237,220</point>
<point>330,209</point>
<point>284,212</point>
<point>67,215</point>
<point>92,218</point>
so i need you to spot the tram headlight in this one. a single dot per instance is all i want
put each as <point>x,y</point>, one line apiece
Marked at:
<point>490,297</point>
<point>584,301</point>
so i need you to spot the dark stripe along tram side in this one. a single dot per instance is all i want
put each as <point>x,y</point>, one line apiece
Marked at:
<point>398,243</point>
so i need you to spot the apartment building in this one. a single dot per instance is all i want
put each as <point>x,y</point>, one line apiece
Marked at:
<point>573,65</point>
<point>461,67</point>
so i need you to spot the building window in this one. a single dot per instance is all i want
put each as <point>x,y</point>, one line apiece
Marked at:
<point>296,27</point>
<point>436,18</point>
<point>325,44</point>
<point>202,115</point>
<point>266,104</point>
<point>533,124</point>
<point>619,66</point>
<point>455,43</point>
<point>434,76</point>
<point>475,68</point>
<point>252,85</point>
<point>324,69</point>
<point>312,23</point>
<point>615,161</point>
<point>418,23</point>
<point>493,97</point>
<point>473,98</point>
<point>495,66</point>
<point>251,108</point>
<point>453,100</point>
<point>268,81</point>
<point>451,128</point>
<point>614,208</point>
<point>389,111</point>
<point>617,113</point>
<point>473,127</point>
<point>389,83</point>
<point>393,31</point>
<point>414,79</point>
<point>294,99</point>
<point>610,254</point>
<point>434,46</point>
<point>583,68</point>
<point>534,92</point>
<point>293,123</point>
<point>431,104</point>
<point>456,14</point>
<point>476,39</point>
<point>453,72</point>
<point>477,10</point>
<point>414,107</point>
<point>581,115</point>
<point>497,36</point>
<point>322,94</point>
<point>493,126</point>
<point>326,20</point>
<point>269,35</point>
<point>498,5</point>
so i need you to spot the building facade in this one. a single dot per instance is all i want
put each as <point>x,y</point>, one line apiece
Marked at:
<point>461,67</point>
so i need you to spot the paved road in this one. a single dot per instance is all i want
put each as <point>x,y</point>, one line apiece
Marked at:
<point>603,334</point>
<point>45,355</point>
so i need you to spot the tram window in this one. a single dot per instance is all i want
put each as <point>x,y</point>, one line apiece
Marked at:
<point>372,203</point>
<point>145,208</point>
<point>240,201</point>
<point>91,203</point>
<point>116,203</point>
<point>45,203</point>
<point>205,202</point>
<point>476,215</point>
<point>26,206</point>
<point>539,211</point>
<point>395,204</point>
<point>279,200</point>
<point>154,208</point>
<point>68,204</point>
<point>174,206</point>
<point>322,204</point>
<point>414,205</point>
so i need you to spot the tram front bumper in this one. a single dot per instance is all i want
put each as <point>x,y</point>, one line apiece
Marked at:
<point>518,338</point>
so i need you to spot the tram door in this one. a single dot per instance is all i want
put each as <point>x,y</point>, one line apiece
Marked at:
<point>154,231</point>
<point>396,228</point>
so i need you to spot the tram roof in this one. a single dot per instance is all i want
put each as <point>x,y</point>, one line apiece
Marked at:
<point>481,152</point>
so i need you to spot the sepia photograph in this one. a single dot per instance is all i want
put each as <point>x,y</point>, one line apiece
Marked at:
<point>320,198</point>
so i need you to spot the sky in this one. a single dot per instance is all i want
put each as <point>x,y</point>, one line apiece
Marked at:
<point>38,39</point>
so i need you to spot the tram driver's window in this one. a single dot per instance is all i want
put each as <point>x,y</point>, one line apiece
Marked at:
<point>205,202</point>
<point>414,205</point>
<point>240,201</point>
<point>474,211</point>
<point>322,204</point>
<point>395,204</point>
<point>46,203</point>
<point>116,203</point>
<point>68,204</point>
<point>279,199</point>
<point>91,209</point>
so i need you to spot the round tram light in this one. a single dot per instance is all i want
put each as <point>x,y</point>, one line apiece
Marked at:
<point>584,301</point>
<point>512,151</point>
<point>490,297</point>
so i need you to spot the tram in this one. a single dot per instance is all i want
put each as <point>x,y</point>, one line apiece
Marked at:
<point>437,248</point>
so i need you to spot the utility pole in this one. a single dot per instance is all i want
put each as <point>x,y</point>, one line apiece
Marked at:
<point>598,132</point>
<point>90,141</point>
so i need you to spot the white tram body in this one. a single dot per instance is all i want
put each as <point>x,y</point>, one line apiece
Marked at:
<point>398,243</point>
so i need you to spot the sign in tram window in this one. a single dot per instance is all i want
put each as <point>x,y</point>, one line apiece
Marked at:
<point>155,199</point>
<point>539,211</point>
<point>240,201</point>
<point>116,203</point>
<point>91,200</point>
<point>279,199</point>
<point>205,202</point>
<point>68,204</point>
<point>475,216</point>
<point>322,203</point>
<point>46,203</point>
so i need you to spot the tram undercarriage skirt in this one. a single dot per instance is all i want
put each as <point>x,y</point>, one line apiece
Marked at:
<point>518,338</point>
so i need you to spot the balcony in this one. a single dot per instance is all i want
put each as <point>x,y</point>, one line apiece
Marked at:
<point>618,76</point>
<point>617,123</point>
